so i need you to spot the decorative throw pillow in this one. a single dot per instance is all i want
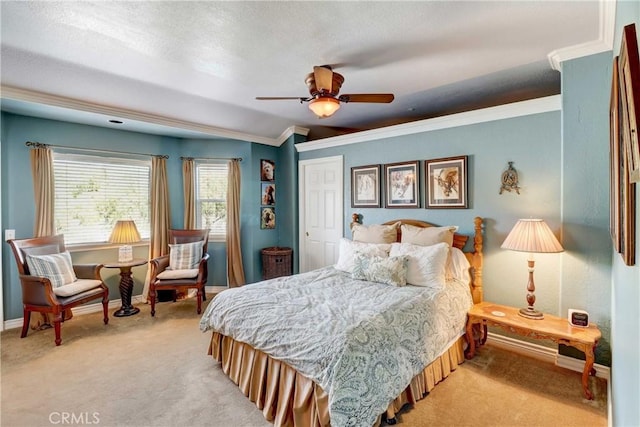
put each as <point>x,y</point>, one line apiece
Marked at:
<point>391,270</point>
<point>185,256</point>
<point>55,267</point>
<point>376,233</point>
<point>348,248</point>
<point>427,236</point>
<point>426,266</point>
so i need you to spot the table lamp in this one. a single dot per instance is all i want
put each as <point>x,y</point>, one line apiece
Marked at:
<point>124,233</point>
<point>533,236</point>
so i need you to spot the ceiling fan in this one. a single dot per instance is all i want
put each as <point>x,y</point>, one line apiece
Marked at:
<point>324,86</point>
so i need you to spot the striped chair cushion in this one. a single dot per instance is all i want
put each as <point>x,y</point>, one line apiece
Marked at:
<point>185,256</point>
<point>55,267</point>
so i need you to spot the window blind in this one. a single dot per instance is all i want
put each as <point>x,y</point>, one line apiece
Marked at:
<point>211,198</point>
<point>93,192</point>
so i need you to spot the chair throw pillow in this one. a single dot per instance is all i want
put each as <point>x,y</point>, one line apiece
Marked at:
<point>55,267</point>
<point>185,256</point>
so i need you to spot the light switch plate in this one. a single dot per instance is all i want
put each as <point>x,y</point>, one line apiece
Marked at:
<point>9,234</point>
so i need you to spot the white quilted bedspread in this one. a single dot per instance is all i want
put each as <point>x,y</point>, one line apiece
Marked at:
<point>362,342</point>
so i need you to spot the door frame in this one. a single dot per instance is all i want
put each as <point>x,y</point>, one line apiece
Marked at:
<point>302,165</point>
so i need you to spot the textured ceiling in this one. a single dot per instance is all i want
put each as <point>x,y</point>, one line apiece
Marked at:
<point>200,65</point>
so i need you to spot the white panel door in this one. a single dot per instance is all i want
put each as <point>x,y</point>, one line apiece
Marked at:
<point>321,211</point>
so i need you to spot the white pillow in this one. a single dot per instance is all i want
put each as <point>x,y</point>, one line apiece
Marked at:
<point>348,248</point>
<point>427,236</point>
<point>376,233</point>
<point>426,266</point>
<point>389,270</point>
<point>55,267</point>
<point>458,266</point>
<point>185,256</point>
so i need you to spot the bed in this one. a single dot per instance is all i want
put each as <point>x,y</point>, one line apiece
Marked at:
<point>328,348</point>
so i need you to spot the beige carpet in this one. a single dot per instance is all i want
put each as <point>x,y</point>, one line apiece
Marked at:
<point>143,371</point>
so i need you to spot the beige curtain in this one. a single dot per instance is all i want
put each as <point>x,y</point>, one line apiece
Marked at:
<point>44,195</point>
<point>235,271</point>
<point>43,190</point>
<point>160,215</point>
<point>189,186</point>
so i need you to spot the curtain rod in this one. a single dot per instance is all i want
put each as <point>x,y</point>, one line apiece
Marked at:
<point>95,150</point>
<point>212,158</point>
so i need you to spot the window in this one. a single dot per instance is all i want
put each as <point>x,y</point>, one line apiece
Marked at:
<point>211,198</point>
<point>93,192</point>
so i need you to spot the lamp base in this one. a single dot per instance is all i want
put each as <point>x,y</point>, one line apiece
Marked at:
<point>531,313</point>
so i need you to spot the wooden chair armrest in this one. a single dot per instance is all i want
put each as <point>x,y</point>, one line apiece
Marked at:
<point>203,268</point>
<point>158,265</point>
<point>37,291</point>
<point>87,271</point>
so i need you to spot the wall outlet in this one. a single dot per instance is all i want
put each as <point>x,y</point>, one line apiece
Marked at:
<point>9,234</point>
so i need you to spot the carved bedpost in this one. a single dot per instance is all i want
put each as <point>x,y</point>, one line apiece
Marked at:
<point>477,261</point>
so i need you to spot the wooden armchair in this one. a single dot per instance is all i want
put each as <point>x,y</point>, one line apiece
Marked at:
<point>175,271</point>
<point>57,289</point>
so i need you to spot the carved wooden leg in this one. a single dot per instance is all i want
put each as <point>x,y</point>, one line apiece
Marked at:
<point>105,309</point>
<point>25,325</point>
<point>588,369</point>
<point>471,351</point>
<point>199,298</point>
<point>57,321</point>
<point>152,300</point>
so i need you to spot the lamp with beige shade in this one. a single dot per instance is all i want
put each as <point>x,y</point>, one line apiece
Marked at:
<point>533,236</point>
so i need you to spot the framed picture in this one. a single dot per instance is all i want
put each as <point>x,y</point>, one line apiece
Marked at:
<point>365,186</point>
<point>268,194</point>
<point>267,170</point>
<point>446,182</point>
<point>616,167</point>
<point>629,86</point>
<point>401,185</point>
<point>267,218</point>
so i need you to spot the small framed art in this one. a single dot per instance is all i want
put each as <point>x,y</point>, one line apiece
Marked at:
<point>267,218</point>
<point>446,182</point>
<point>267,170</point>
<point>401,185</point>
<point>268,194</point>
<point>365,186</point>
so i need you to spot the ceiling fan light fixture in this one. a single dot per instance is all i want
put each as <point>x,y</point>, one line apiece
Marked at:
<point>324,106</point>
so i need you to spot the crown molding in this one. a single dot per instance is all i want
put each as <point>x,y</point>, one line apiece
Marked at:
<point>607,28</point>
<point>291,130</point>
<point>506,111</point>
<point>26,95</point>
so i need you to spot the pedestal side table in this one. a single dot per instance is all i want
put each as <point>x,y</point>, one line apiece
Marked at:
<point>126,285</point>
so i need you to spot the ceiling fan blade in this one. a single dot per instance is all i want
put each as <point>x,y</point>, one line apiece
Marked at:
<point>324,78</point>
<point>384,98</point>
<point>277,98</point>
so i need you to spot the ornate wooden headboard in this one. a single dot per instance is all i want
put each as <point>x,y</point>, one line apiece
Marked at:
<point>474,256</point>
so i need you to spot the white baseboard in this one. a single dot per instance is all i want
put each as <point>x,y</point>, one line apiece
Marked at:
<point>546,354</point>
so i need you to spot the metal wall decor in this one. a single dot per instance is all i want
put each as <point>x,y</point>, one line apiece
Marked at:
<point>510,180</point>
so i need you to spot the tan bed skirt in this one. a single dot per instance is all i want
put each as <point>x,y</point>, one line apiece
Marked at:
<point>289,399</point>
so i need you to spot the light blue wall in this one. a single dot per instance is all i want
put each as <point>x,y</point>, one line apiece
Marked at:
<point>533,143</point>
<point>18,205</point>
<point>625,315</point>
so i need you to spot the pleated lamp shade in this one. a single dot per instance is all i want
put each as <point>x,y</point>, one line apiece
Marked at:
<point>124,233</point>
<point>533,236</point>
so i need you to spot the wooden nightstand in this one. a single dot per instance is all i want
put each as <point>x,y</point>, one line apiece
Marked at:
<point>552,328</point>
